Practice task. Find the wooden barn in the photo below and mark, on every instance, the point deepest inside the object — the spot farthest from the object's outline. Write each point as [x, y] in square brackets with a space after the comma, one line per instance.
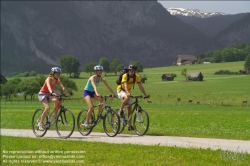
[167, 77]
[195, 76]
[186, 59]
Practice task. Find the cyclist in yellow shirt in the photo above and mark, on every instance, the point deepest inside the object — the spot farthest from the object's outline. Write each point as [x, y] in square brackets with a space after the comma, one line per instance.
[124, 90]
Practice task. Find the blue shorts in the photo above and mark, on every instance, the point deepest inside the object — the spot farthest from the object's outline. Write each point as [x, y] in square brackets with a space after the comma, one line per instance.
[88, 93]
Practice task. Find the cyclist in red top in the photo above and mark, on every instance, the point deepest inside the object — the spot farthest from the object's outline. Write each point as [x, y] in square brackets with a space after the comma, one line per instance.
[48, 92]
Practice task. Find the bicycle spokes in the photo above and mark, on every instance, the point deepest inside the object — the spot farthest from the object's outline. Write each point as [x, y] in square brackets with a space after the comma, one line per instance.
[141, 122]
[65, 126]
[111, 123]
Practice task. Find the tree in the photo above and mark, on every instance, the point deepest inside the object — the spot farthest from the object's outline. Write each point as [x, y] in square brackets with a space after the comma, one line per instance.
[89, 68]
[184, 73]
[247, 64]
[139, 66]
[32, 73]
[41, 80]
[70, 65]
[29, 87]
[7, 89]
[68, 84]
[116, 66]
[104, 62]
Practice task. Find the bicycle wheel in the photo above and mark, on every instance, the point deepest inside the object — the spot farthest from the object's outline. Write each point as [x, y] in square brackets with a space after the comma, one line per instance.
[111, 123]
[122, 123]
[37, 116]
[141, 122]
[80, 121]
[65, 123]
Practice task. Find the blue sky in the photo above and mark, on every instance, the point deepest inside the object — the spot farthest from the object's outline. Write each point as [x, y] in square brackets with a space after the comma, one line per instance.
[227, 7]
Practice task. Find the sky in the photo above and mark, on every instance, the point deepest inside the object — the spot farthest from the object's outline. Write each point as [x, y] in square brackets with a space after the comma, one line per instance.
[227, 7]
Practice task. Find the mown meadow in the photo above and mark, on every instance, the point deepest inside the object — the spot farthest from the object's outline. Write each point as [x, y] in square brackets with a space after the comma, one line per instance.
[216, 111]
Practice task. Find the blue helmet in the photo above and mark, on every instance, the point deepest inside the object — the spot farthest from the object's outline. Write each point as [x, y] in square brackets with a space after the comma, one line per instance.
[98, 67]
[56, 69]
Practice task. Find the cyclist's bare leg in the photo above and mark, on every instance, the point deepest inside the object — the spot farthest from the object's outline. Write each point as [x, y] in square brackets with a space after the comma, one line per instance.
[124, 102]
[100, 101]
[91, 107]
[56, 102]
[46, 109]
[45, 103]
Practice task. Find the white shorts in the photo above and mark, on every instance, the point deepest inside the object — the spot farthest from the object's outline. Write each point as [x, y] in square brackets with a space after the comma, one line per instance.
[42, 96]
[121, 94]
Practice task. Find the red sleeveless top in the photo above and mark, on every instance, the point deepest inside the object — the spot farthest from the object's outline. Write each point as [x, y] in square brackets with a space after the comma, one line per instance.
[45, 89]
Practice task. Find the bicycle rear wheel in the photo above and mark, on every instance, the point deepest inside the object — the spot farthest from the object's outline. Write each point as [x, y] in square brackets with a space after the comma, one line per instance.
[65, 123]
[111, 123]
[122, 123]
[141, 122]
[81, 120]
[37, 116]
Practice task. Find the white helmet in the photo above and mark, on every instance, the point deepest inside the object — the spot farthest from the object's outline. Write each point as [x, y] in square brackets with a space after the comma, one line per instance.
[56, 69]
[98, 67]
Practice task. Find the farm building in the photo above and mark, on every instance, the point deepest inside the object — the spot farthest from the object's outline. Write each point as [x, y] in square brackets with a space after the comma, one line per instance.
[195, 76]
[186, 59]
[167, 77]
[243, 72]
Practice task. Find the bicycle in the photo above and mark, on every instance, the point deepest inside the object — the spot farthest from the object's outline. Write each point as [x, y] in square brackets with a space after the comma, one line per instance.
[141, 118]
[111, 120]
[64, 120]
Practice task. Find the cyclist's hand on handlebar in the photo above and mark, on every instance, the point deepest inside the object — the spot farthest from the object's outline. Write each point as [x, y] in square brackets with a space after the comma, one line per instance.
[147, 96]
[68, 95]
[53, 94]
[115, 95]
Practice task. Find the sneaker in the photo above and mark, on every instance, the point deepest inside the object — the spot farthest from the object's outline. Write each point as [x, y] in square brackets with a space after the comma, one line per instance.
[40, 127]
[87, 125]
[131, 128]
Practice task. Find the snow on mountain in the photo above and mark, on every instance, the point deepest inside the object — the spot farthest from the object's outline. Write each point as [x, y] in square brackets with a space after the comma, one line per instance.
[192, 12]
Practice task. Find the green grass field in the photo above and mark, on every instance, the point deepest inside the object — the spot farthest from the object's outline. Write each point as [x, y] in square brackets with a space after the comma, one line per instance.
[219, 114]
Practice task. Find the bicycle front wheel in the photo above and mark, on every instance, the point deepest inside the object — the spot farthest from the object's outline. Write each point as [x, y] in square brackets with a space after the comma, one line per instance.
[65, 123]
[81, 120]
[37, 116]
[141, 122]
[111, 123]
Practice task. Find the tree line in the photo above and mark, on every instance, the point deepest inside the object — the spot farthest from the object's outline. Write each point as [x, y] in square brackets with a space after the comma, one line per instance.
[31, 86]
[233, 53]
[70, 65]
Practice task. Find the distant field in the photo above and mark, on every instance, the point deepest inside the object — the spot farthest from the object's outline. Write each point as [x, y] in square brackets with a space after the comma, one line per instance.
[215, 89]
[219, 114]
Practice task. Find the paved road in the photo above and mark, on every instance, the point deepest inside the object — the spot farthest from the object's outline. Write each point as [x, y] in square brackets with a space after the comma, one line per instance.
[186, 142]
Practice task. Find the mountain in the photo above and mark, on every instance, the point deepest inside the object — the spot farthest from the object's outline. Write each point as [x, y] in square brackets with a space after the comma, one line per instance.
[35, 34]
[192, 12]
[237, 32]
[208, 23]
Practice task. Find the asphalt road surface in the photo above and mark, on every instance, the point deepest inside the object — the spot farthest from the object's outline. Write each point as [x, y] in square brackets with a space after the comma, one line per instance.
[186, 142]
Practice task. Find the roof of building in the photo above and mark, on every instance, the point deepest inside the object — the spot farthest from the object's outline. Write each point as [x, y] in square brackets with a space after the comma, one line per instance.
[194, 74]
[187, 57]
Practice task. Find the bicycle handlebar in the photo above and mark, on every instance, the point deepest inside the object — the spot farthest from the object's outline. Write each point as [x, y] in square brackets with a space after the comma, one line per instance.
[107, 96]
